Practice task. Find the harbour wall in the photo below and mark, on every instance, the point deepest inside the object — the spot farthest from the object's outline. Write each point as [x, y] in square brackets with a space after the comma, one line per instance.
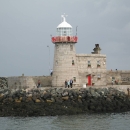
[121, 80]
[118, 76]
[19, 82]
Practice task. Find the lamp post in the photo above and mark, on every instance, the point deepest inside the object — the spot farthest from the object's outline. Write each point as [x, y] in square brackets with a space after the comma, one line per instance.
[49, 57]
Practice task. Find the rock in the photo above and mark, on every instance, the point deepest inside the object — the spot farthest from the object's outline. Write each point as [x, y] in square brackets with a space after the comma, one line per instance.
[17, 101]
[47, 95]
[97, 95]
[74, 93]
[59, 95]
[23, 99]
[4, 86]
[29, 95]
[1, 95]
[89, 95]
[83, 90]
[59, 90]
[20, 98]
[79, 100]
[54, 95]
[12, 91]
[105, 90]
[65, 98]
[93, 93]
[65, 94]
[98, 109]
[92, 107]
[101, 93]
[59, 100]
[53, 91]
[10, 99]
[34, 97]
[28, 99]
[108, 99]
[49, 101]
[37, 101]
[71, 97]
[70, 93]
[98, 90]
[53, 99]
[83, 95]
[1, 90]
[79, 97]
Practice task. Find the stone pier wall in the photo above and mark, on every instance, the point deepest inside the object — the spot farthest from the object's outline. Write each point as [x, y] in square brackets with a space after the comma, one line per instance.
[122, 77]
[19, 82]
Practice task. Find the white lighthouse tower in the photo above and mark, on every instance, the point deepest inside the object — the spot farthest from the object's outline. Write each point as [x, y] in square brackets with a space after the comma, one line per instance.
[64, 66]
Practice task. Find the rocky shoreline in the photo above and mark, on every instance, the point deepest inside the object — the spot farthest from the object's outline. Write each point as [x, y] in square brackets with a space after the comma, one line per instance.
[61, 101]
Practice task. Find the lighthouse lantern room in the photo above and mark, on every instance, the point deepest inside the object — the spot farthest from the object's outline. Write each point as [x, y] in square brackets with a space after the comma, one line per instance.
[64, 32]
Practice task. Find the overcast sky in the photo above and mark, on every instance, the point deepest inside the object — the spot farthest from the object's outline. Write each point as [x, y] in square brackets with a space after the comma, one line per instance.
[26, 26]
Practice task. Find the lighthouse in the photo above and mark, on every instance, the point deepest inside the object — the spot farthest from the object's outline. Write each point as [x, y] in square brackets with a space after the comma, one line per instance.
[64, 65]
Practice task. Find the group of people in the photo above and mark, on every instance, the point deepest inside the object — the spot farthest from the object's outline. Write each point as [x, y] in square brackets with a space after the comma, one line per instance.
[68, 83]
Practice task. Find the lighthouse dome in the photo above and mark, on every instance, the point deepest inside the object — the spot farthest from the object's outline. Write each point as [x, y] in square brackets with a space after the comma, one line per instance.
[64, 28]
[64, 24]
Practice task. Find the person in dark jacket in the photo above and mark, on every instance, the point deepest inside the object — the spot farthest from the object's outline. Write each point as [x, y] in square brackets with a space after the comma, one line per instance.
[66, 83]
[71, 83]
[38, 84]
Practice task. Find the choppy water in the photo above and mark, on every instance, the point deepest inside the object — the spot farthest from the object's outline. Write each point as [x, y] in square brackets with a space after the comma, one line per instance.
[78, 122]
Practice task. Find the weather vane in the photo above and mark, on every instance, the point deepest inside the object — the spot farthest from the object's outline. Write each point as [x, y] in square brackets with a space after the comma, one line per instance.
[64, 16]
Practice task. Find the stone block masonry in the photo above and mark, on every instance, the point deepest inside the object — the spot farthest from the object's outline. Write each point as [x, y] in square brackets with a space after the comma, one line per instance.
[19, 82]
[119, 77]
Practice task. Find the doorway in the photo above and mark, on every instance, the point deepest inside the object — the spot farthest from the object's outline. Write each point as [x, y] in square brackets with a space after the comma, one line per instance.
[89, 80]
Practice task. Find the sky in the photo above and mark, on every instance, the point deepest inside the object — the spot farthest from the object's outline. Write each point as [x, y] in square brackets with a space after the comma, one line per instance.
[26, 27]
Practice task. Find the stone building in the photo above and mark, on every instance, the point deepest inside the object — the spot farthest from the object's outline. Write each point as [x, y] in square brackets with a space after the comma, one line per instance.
[84, 69]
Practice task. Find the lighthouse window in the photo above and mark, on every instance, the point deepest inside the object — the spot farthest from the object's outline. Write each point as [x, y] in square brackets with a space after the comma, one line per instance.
[89, 64]
[71, 47]
[64, 33]
[56, 62]
[98, 76]
[98, 64]
[74, 78]
[72, 62]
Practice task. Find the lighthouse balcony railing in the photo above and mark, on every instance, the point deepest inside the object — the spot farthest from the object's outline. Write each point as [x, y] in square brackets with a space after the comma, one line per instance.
[64, 39]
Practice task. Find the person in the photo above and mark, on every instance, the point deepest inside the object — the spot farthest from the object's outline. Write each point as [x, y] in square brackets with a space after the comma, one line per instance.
[71, 83]
[66, 83]
[112, 82]
[39, 84]
[51, 72]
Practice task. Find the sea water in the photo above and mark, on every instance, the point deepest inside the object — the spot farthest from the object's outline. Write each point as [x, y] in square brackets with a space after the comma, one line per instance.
[113, 121]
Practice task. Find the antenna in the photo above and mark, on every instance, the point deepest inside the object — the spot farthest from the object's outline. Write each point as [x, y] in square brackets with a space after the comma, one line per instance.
[76, 30]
